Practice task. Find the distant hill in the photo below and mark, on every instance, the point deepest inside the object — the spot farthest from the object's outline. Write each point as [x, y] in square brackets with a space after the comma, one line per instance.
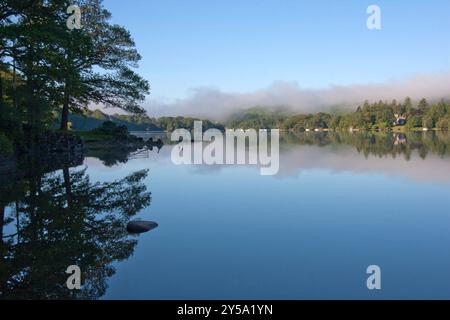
[91, 119]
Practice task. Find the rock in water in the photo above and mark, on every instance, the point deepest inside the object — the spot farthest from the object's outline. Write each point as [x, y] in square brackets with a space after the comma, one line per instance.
[140, 226]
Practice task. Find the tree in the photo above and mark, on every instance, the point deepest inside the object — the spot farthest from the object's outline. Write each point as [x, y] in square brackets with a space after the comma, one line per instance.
[67, 69]
[423, 105]
[335, 121]
[443, 123]
[428, 122]
[407, 105]
[103, 64]
[414, 122]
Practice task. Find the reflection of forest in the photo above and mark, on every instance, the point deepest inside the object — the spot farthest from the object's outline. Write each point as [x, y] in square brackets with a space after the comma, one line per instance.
[50, 220]
[113, 155]
[377, 144]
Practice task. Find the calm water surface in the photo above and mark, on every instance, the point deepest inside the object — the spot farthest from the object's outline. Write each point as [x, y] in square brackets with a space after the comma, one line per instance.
[338, 205]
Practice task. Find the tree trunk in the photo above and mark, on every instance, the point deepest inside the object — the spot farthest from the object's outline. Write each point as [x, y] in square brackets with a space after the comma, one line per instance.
[1, 88]
[65, 111]
[14, 84]
[31, 108]
[2, 221]
[32, 95]
[68, 186]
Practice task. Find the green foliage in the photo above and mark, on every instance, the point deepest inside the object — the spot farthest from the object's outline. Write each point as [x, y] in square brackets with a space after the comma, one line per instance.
[414, 122]
[428, 122]
[89, 120]
[47, 69]
[380, 115]
[443, 123]
[257, 118]
[407, 105]
[423, 105]
[110, 129]
[6, 146]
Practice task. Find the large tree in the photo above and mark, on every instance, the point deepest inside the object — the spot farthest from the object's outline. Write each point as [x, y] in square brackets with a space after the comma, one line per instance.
[66, 70]
[30, 31]
[99, 61]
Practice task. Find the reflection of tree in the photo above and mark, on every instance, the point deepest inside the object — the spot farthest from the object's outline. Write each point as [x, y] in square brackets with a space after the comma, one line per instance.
[111, 155]
[64, 219]
[378, 144]
[2, 220]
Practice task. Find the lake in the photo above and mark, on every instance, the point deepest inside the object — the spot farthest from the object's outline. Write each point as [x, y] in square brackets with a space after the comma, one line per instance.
[339, 203]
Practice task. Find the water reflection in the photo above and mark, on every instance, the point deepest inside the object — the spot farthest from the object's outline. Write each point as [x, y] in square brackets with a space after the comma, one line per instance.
[111, 156]
[378, 144]
[54, 214]
[420, 156]
[49, 221]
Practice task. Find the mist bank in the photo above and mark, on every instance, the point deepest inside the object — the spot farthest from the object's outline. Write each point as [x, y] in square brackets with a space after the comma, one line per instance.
[217, 105]
[404, 115]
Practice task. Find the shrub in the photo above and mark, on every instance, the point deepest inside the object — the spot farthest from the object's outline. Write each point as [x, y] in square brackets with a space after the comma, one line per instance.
[428, 122]
[6, 146]
[443, 124]
[414, 122]
[109, 128]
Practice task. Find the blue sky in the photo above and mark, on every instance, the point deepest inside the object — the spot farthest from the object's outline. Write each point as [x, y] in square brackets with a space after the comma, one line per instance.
[243, 46]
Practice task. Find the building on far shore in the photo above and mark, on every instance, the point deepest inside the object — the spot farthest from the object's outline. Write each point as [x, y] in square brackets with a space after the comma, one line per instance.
[400, 120]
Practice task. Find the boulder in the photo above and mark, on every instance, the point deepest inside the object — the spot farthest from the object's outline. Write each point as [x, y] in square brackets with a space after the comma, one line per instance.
[141, 226]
